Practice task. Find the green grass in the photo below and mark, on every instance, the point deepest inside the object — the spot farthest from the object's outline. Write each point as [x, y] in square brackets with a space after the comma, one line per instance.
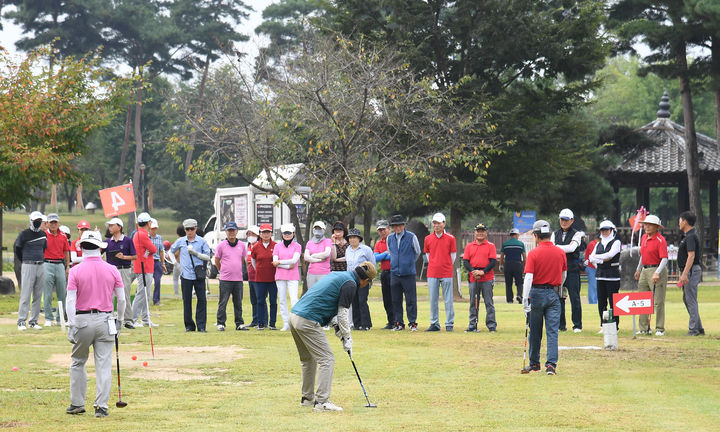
[420, 381]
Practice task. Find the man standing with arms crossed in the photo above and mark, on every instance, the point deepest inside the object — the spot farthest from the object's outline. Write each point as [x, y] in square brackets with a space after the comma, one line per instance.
[689, 254]
[404, 251]
[383, 257]
[568, 239]
[441, 252]
[512, 257]
[91, 286]
[652, 273]
[479, 259]
[143, 267]
[545, 272]
[30, 248]
[57, 266]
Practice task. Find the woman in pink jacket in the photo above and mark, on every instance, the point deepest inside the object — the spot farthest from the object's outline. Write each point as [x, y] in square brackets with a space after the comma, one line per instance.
[287, 274]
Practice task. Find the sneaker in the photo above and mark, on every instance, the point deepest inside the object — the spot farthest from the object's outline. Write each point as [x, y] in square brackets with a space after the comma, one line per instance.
[493, 330]
[35, 326]
[285, 328]
[188, 329]
[242, 327]
[702, 331]
[306, 402]
[471, 329]
[101, 412]
[449, 328]
[398, 327]
[433, 328]
[150, 324]
[531, 368]
[326, 406]
[690, 333]
[138, 324]
[660, 333]
[388, 326]
[21, 327]
[642, 332]
[563, 329]
[577, 330]
[75, 409]
[550, 369]
[221, 327]
[413, 327]
[49, 323]
[252, 325]
[272, 327]
[518, 299]
[129, 325]
[261, 327]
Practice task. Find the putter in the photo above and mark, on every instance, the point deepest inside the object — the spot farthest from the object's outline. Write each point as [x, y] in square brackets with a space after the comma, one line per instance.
[369, 404]
[119, 403]
[147, 305]
[527, 327]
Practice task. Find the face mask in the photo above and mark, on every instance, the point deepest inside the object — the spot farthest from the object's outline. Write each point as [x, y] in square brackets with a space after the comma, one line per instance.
[252, 239]
[36, 224]
[318, 232]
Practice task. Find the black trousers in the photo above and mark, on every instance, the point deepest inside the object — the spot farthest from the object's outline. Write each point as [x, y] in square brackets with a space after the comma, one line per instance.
[227, 289]
[513, 273]
[572, 284]
[387, 296]
[605, 291]
[406, 285]
[253, 303]
[360, 309]
[187, 286]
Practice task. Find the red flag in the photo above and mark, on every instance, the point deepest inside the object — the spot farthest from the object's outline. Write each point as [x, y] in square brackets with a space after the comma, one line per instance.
[118, 200]
[636, 221]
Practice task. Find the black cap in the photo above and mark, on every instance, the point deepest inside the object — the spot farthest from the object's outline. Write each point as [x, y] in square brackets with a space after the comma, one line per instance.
[480, 227]
[397, 220]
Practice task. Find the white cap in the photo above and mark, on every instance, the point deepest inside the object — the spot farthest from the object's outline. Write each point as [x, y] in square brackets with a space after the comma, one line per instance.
[115, 221]
[438, 217]
[514, 231]
[320, 224]
[287, 227]
[92, 237]
[253, 229]
[566, 214]
[143, 217]
[37, 215]
[652, 219]
[154, 223]
[607, 224]
[64, 229]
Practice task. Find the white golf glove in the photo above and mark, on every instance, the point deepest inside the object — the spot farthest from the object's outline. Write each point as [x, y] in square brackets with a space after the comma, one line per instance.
[191, 250]
[526, 306]
[347, 344]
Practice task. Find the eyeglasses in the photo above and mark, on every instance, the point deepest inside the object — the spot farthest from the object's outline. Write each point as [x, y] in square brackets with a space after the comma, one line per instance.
[190, 229]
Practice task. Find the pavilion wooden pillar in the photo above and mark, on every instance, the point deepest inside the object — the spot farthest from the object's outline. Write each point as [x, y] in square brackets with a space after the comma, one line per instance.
[642, 197]
[616, 203]
[683, 203]
[713, 225]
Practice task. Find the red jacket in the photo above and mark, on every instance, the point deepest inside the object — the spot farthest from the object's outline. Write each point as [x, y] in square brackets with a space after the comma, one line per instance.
[145, 249]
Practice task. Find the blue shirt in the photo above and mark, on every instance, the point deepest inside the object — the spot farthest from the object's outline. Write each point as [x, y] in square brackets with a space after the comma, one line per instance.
[513, 250]
[355, 257]
[186, 263]
[158, 242]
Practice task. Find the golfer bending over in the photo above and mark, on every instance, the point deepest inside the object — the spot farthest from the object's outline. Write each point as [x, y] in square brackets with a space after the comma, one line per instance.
[90, 315]
[328, 298]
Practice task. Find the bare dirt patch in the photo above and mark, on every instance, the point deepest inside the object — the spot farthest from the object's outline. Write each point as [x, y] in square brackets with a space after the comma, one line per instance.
[169, 364]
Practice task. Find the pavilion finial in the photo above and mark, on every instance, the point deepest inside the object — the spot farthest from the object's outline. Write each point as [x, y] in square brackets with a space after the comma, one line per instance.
[664, 111]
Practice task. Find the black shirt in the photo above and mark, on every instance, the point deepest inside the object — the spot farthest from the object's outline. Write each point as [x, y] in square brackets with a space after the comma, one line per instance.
[689, 243]
[30, 245]
[347, 292]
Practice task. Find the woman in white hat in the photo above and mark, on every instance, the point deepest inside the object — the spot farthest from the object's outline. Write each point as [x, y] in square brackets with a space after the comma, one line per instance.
[606, 256]
[287, 273]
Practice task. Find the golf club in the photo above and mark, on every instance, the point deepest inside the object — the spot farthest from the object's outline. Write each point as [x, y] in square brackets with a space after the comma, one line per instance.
[119, 403]
[147, 305]
[527, 327]
[369, 404]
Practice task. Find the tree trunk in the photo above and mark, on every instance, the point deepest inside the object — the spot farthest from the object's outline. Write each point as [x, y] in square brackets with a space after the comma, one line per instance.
[125, 145]
[456, 218]
[715, 79]
[691, 149]
[367, 221]
[198, 114]
[79, 199]
[138, 149]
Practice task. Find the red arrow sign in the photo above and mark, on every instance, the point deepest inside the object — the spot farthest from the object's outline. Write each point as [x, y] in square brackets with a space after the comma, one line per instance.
[634, 303]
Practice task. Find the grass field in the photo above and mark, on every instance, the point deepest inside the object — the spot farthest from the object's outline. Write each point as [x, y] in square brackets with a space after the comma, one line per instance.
[420, 381]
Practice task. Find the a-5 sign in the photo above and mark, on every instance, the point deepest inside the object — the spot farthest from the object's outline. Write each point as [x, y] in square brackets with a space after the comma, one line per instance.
[634, 303]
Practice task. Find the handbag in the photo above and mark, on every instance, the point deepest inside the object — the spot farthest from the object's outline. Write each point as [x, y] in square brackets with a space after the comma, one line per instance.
[200, 270]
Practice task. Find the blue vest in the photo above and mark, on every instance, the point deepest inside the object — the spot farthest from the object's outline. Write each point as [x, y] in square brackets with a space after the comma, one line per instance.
[402, 257]
[320, 303]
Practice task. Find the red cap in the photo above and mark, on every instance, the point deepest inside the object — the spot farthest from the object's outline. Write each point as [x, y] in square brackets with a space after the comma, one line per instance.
[166, 245]
[265, 227]
[83, 224]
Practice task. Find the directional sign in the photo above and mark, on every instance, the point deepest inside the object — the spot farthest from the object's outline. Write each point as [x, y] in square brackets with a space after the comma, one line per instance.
[117, 200]
[635, 303]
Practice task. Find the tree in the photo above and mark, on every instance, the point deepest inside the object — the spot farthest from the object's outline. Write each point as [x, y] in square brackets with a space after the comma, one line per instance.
[666, 28]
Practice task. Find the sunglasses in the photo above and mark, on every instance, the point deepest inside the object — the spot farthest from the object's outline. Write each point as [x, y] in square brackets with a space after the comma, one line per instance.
[190, 229]
[287, 232]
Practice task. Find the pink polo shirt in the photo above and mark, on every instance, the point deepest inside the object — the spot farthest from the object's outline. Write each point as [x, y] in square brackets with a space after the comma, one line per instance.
[231, 260]
[323, 267]
[94, 280]
[284, 253]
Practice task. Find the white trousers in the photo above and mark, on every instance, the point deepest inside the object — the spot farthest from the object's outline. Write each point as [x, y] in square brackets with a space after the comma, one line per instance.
[284, 288]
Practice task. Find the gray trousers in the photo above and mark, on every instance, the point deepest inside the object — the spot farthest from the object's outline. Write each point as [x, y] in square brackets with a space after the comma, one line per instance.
[54, 283]
[139, 305]
[127, 276]
[690, 292]
[33, 277]
[312, 279]
[91, 329]
[316, 356]
[486, 289]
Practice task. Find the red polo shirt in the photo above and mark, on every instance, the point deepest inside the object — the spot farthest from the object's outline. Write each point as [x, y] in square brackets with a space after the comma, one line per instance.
[546, 263]
[380, 247]
[440, 263]
[57, 245]
[248, 262]
[75, 246]
[263, 256]
[145, 249]
[479, 255]
[653, 249]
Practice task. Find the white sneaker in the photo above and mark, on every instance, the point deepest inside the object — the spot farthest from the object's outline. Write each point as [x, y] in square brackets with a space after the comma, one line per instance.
[326, 406]
[306, 402]
[285, 328]
[659, 333]
[151, 324]
[35, 326]
[577, 330]
[21, 327]
[138, 324]
[600, 331]
[221, 327]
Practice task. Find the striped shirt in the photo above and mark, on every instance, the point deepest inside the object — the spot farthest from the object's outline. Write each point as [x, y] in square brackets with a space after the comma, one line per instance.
[158, 242]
